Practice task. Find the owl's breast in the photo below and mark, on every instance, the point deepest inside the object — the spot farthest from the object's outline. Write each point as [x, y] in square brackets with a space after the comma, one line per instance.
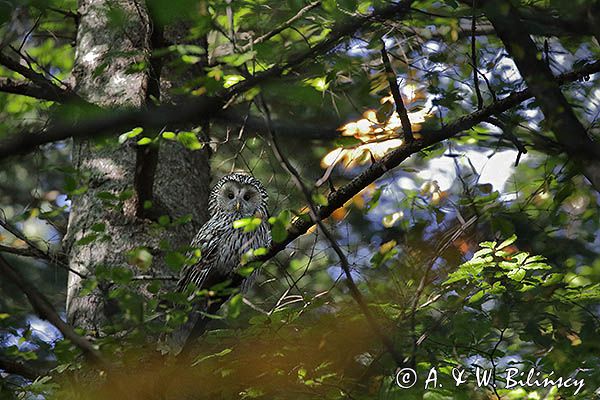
[234, 243]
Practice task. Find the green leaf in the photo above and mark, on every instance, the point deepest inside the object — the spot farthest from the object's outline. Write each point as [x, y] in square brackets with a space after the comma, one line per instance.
[246, 270]
[553, 279]
[144, 141]
[279, 225]
[188, 49]
[372, 203]
[125, 195]
[140, 257]
[169, 135]
[509, 265]
[477, 296]
[468, 270]
[386, 251]
[490, 245]
[230, 80]
[120, 275]
[87, 286]
[87, 239]
[536, 265]
[107, 196]
[189, 59]
[319, 83]
[164, 220]
[482, 252]
[189, 140]
[184, 219]
[278, 232]
[517, 274]
[204, 358]
[534, 259]
[131, 134]
[235, 306]
[249, 224]
[99, 227]
[320, 199]
[507, 242]
[175, 260]
[235, 60]
[261, 251]
[521, 257]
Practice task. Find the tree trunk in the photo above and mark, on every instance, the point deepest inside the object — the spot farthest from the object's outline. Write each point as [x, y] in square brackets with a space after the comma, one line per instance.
[103, 75]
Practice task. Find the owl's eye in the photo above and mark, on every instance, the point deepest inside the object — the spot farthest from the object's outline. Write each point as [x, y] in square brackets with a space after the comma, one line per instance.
[246, 197]
[230, 195]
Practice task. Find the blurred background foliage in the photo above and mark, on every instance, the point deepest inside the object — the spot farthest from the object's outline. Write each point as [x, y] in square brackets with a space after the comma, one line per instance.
[298, 333]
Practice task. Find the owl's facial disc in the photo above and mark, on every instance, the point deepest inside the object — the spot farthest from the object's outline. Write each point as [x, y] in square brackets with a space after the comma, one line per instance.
[240, 199]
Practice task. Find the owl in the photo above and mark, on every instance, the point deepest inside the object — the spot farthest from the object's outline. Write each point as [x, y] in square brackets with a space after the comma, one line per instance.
[234, 197]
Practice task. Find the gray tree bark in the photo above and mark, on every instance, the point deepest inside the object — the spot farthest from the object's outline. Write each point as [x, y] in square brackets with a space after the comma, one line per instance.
[102, 74]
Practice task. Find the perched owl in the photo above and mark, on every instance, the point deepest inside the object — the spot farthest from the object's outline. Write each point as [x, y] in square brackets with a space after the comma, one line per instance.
[235, 196]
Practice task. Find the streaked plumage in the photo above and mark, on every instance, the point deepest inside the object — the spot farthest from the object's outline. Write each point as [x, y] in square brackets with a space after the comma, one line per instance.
[234, 196]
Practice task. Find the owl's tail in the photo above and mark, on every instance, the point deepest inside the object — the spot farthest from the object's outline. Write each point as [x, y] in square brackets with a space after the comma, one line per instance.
[181, 339]
[176, 341]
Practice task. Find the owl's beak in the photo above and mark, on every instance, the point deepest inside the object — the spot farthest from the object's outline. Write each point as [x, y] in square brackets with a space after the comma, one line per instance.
[237, 206]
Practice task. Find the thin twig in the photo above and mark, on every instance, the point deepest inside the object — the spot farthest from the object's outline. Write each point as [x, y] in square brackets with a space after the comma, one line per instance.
[27, 88]
[33, 250]
[45, 310]
[487, 84]
[558, 113]
[29, 32]
[198, 109]
[50, 90]
[448, 239]
[26, 370]
[393, 158]
[24, 252]
[500, 339]
[281, 27]
[155, 278]
[474, 59]
[506, 132]
[400, 108]
[354, 291]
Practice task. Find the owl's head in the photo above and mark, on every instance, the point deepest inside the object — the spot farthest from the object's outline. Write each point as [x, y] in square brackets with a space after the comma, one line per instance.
[239, 194]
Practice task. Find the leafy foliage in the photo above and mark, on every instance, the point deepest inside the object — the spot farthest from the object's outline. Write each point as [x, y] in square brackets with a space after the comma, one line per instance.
[464, 260]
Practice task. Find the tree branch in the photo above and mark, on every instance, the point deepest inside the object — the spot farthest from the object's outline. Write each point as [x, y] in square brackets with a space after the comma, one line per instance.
[44, 310]
[474, 59]
[338, 198]
[26, 252]
[12, 366]
[400, 108]
[48, 89]
[338, 32]
[281, 27]
[313, 213]
[294, 129]
[559, 115]
[194, 110]
[29, 89]
[146, 158]
[32, 250]
[146, 161]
